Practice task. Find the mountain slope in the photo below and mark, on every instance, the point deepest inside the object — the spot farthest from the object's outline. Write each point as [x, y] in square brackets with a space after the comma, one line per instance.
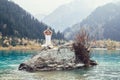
[101, 23]
[68, 14]
[39, 16]
[16, 22]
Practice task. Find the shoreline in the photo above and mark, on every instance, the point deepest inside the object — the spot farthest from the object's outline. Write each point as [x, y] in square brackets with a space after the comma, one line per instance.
[38, 48]
[104, 49]
[25, 48]
[99, 48]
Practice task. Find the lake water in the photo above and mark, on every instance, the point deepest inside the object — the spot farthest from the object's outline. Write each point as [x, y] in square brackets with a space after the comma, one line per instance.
[108, 68]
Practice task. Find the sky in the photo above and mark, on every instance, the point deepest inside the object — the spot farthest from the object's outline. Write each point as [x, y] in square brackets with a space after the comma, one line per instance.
[47, 6]
[40, 6]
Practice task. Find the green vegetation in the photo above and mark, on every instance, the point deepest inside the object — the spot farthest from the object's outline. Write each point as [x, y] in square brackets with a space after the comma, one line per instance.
[16, 22]
[9, 43]
[102, 23]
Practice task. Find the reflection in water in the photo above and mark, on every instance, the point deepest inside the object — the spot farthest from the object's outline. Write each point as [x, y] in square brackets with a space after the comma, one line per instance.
[108, 68]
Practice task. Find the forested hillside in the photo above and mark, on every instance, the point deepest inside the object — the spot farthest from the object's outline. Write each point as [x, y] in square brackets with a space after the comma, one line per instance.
[16, 22]
[102, 23]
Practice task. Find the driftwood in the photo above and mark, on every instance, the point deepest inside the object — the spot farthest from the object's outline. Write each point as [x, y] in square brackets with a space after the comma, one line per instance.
[81, 48]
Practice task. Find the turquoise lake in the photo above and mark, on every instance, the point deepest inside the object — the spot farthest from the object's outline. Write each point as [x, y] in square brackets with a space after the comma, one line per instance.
[108, 68]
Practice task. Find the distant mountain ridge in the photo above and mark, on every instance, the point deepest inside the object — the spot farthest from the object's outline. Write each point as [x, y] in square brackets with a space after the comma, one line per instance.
[39, 16]
[16, 22]
[102, 23]
[68, 14]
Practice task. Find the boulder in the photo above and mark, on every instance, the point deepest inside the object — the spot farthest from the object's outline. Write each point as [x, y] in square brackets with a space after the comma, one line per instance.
[25, 67]
[50, 60]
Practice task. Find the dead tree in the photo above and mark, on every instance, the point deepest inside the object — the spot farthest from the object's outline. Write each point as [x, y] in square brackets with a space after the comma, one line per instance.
[81, 48]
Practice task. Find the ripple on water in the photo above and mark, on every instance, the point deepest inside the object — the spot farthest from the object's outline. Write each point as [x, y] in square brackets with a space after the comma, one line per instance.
[108, 68]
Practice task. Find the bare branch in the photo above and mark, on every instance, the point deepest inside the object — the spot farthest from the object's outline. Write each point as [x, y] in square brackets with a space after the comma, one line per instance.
[81, 47]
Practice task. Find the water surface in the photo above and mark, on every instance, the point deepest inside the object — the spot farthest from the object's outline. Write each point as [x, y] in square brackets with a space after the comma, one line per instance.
[108, 68]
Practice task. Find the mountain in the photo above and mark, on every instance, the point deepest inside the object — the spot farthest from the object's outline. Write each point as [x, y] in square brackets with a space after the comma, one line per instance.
[16, 22]
[39, 16]
[102, 23]
[69, 14]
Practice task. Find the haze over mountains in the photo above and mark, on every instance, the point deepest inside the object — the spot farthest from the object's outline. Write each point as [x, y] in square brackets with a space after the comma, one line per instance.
[16, 22]
[102, 23]
[40, 16]
[68, 14]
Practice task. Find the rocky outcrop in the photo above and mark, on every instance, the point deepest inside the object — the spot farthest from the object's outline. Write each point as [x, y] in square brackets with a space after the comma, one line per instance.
[50, 60]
